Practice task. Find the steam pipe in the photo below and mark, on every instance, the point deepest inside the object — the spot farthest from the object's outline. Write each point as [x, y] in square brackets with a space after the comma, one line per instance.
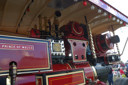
[56, 22]
[13, 71]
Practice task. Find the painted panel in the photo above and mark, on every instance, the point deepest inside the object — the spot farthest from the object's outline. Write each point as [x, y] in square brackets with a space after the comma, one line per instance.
[29, 53]
[68, 78]
[78, 48]
[88, 70]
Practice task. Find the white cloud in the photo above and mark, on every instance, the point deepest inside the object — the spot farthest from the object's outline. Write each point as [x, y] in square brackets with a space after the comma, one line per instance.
[123, 34]
[121, 5]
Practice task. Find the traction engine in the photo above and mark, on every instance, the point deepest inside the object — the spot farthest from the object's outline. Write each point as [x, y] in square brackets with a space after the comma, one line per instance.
[63, 59]
[66, 60]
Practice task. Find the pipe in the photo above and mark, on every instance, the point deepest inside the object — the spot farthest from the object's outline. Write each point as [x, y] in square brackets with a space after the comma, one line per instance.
[13, 72]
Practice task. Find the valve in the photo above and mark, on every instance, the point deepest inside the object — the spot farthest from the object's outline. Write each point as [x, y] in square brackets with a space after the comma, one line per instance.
[13, 72]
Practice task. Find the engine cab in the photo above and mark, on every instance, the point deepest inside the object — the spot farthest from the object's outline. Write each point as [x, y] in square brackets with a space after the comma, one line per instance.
[57, 42]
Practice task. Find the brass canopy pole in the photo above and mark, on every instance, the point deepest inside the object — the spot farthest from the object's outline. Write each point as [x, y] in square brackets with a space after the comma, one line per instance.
[90, 37]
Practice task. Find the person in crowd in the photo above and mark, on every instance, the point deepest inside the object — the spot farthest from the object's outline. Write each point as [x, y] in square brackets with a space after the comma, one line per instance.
[126, 70]
[110, 77]
[122, 74]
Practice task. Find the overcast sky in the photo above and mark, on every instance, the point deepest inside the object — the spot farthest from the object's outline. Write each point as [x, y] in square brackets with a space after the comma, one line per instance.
[121, 5]
[123, 34]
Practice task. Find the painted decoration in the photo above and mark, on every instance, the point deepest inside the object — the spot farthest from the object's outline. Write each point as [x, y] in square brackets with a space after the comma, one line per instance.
[29, 54]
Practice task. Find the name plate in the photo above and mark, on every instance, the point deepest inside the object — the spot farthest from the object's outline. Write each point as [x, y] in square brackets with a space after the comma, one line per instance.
[31, 55]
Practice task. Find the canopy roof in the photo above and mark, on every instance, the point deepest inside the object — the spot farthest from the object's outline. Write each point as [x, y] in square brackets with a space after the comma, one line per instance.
[21, 15]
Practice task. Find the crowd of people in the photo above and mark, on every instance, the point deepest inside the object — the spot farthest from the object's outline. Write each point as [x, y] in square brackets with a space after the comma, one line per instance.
[121, 73]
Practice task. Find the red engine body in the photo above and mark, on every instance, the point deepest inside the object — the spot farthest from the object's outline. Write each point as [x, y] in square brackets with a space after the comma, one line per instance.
[102, 44]
[62, 74]
[36, 68]
[74, 39]
[73, 30]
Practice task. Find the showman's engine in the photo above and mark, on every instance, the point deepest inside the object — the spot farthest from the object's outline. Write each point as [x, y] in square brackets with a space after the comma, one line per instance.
[59, 59]
[73, 51]
[69, 55]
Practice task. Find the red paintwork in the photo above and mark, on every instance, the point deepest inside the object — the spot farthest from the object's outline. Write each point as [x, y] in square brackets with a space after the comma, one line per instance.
[74, 40]
[32, 62]
[86, 66]
[78, 49]
[61, 67]
[72, 79]
[37, 57]
[59, 78]
[102, 40]
[73, 30]
[26, 80]
[87, 69]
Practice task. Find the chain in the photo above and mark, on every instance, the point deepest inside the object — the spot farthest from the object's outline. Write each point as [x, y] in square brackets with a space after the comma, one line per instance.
[91, 41]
